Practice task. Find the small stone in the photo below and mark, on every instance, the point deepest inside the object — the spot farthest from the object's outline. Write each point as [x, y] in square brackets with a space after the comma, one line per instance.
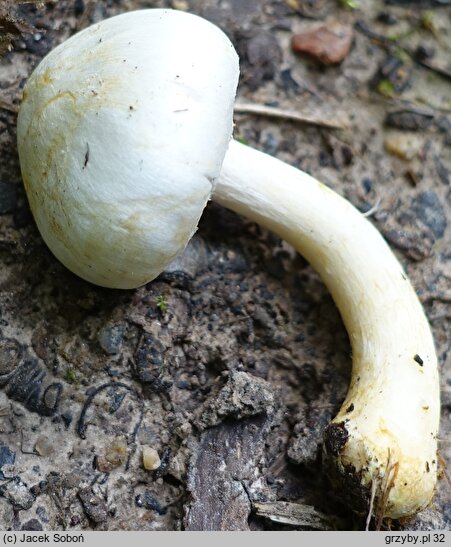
[148, 501]
[41, 511]
[177, 465]
[18, 494]
[51, 398]
[8, 471]
[151, 459]
[32, 525]
[75, 520]
[114, 456]
[148, 365]
[44, 446]
[184, 430]
[416, 245]
[443, 172]
[193, 260]
[403, 146]
[94, 506]
[429, 210]
[410, 120]
[7, 457]
[367, 184]
[424, 52]
[329, 44]
[181, 5]
[67, 418]
[110, 338]
[387, 18]
[10, 354]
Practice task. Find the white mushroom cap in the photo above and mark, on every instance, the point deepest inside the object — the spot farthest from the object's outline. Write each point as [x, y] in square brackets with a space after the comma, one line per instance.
[120, 145]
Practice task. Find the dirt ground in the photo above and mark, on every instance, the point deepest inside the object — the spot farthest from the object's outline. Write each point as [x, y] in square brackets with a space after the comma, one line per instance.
[232, 362]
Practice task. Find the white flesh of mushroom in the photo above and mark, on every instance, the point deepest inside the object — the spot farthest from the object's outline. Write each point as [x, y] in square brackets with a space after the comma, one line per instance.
[118, 164]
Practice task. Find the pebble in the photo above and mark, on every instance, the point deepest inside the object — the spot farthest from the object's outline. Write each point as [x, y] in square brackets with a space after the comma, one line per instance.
[94, 507]
[51, 398]
[18, 494]
[387, 18]
[181, 5]
[414, 244]
[184, 430]
[147, 501]
[429, 210]
[193, 260]
[424, 52]
[410, 120]
[151, 459]
[110, 338]
[403, 146]
[115, 455]
[7, 457]
[32, 525]
[44, 446]
[75, 520]
[367, 184]
[42, 513]
[329, 44]
[67, 418]
[443, 173]
[10, 354]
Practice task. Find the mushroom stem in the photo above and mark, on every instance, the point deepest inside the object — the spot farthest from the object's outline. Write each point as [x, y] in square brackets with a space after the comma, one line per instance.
[387, 426]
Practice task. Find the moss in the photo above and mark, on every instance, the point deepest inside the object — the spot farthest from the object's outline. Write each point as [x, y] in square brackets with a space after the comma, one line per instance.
[162, 303]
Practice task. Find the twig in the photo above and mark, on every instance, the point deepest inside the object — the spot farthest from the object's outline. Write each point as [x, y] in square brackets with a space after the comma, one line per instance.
[290, 115]
[374, 486]
[82, 425]
[388, 481]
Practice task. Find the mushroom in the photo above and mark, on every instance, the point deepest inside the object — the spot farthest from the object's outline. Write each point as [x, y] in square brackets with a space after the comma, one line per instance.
[121, 137]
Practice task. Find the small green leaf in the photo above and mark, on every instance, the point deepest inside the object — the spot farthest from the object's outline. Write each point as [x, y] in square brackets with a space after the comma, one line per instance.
[242, 140]
[70, 376]
[385, 87]
[162, 303]
[349, 4]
